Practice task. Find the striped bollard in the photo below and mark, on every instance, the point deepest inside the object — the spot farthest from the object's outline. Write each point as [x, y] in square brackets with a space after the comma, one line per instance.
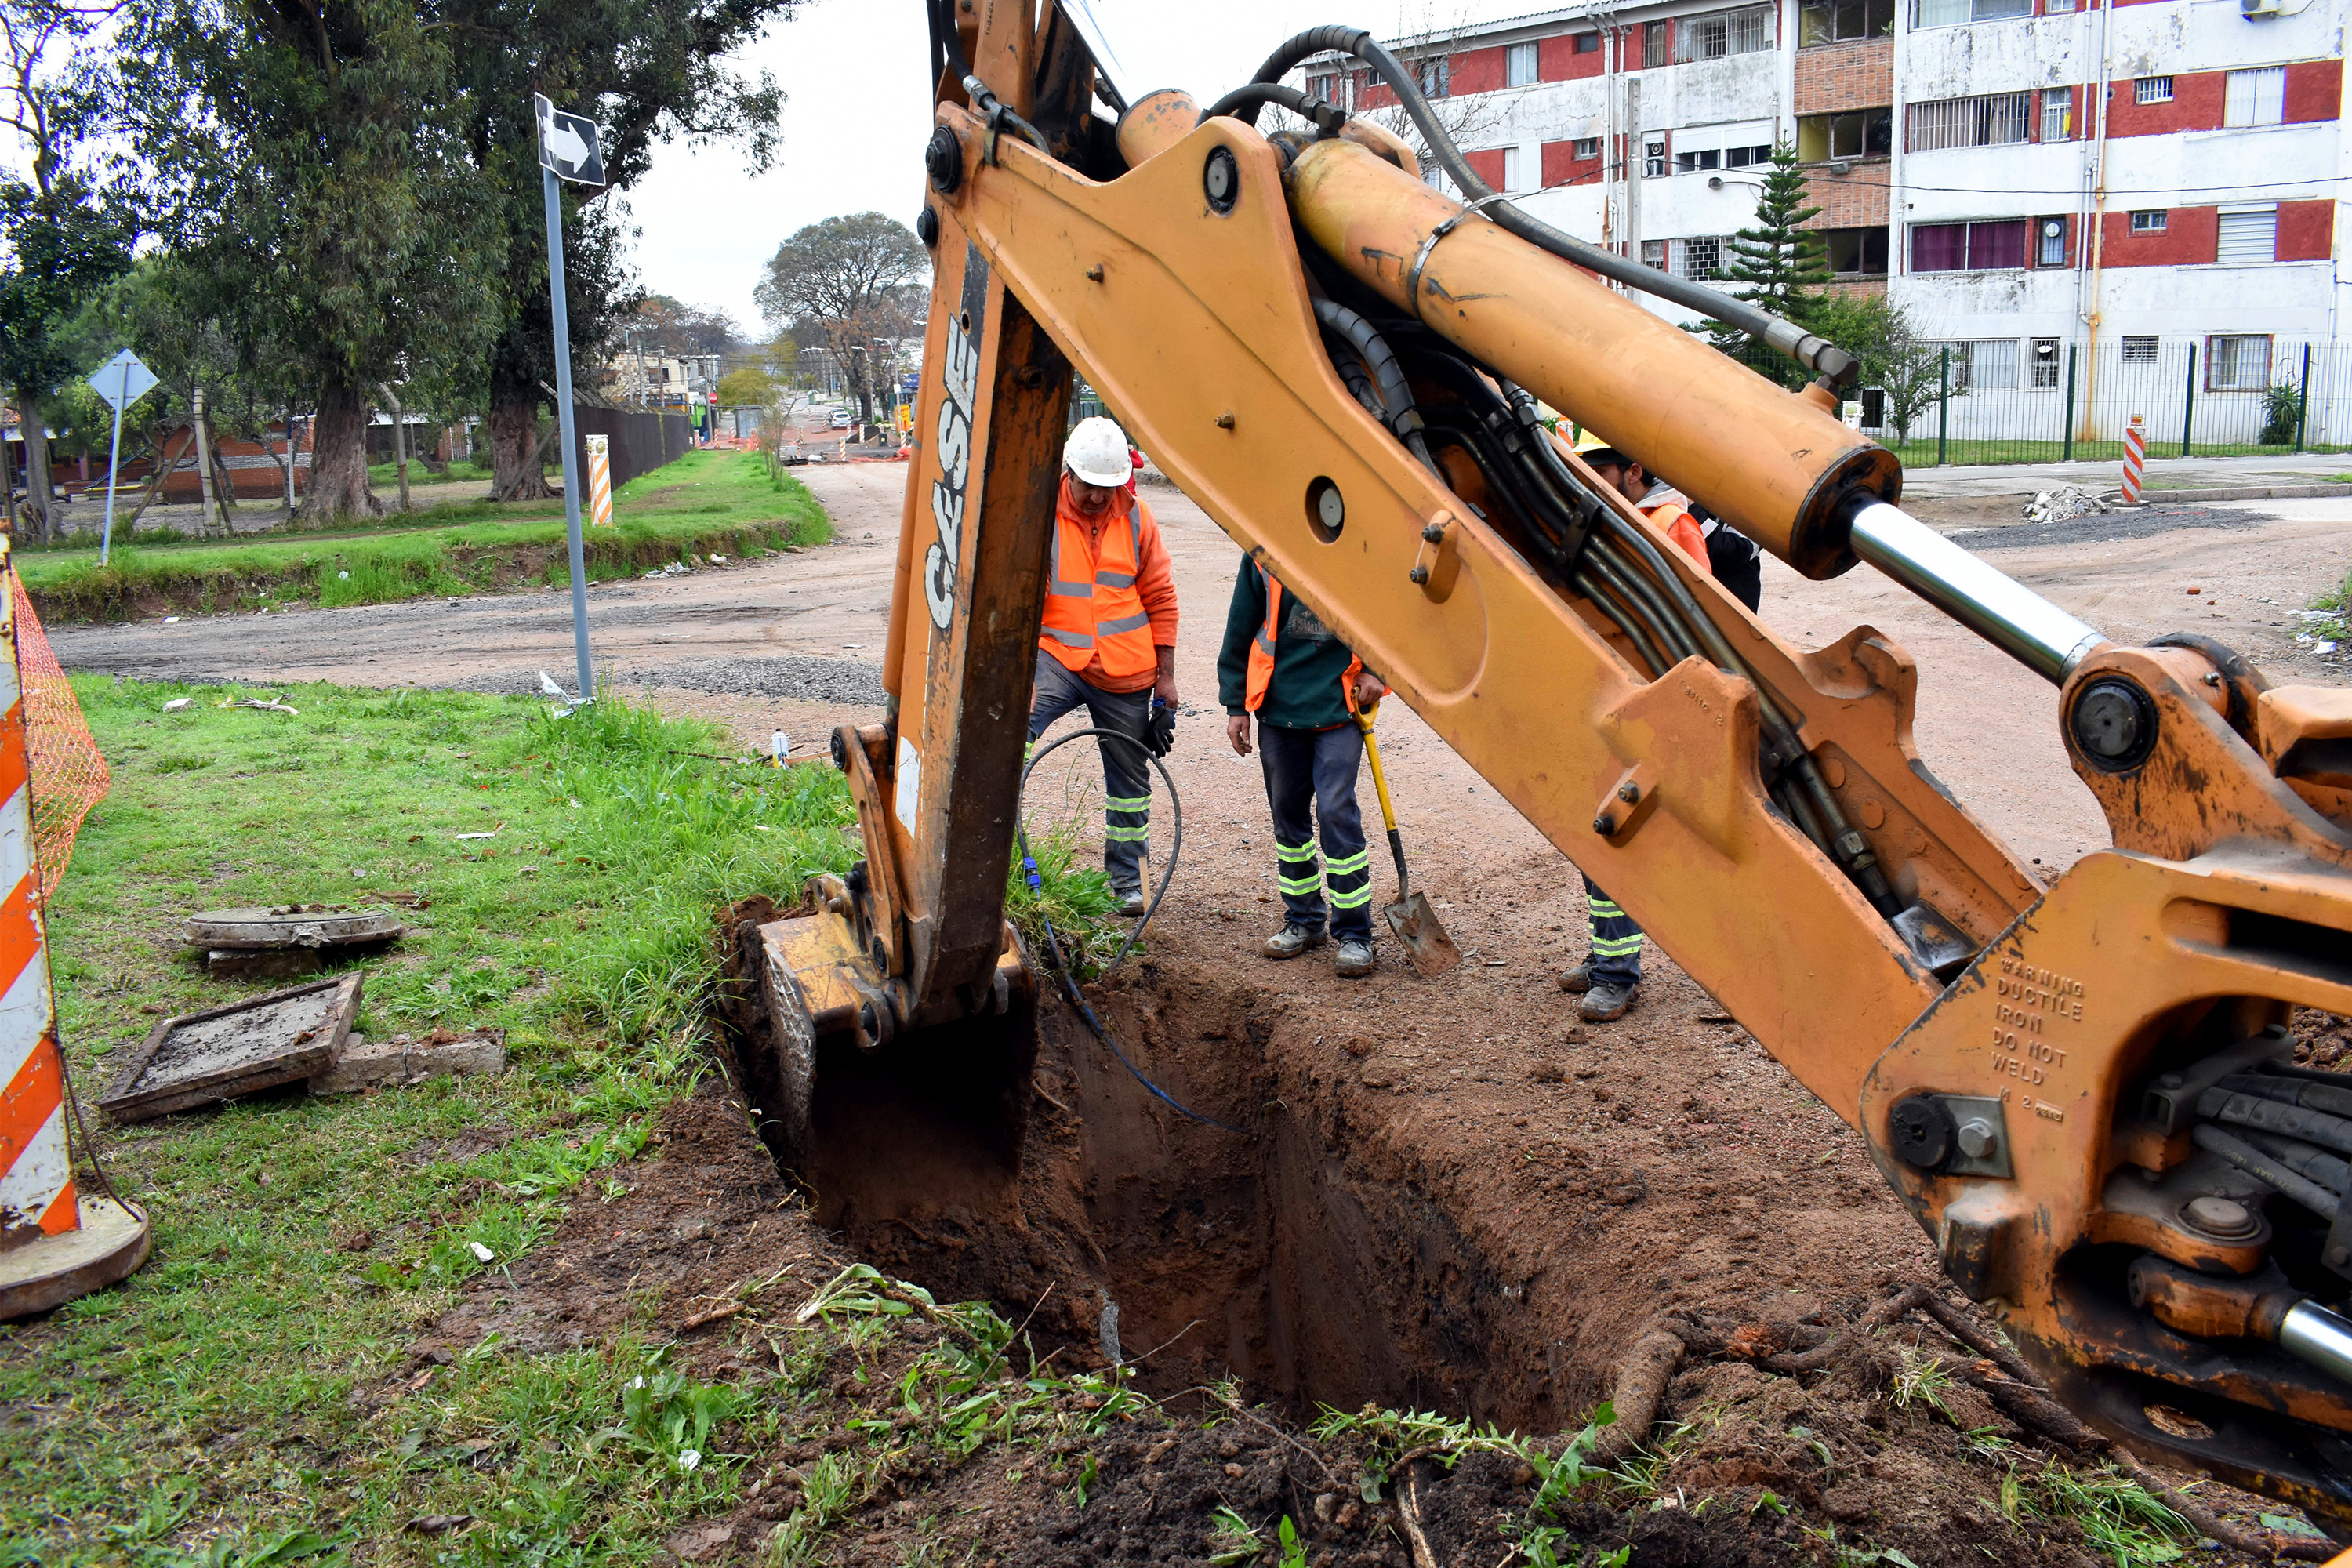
[2134, 458]
[600, 480]
[77, 1243]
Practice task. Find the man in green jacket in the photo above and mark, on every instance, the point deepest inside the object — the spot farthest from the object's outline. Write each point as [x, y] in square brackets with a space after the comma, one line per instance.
[1283, 665]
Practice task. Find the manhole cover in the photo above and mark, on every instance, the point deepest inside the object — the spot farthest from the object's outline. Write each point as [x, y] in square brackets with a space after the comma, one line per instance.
[291, 925]
[226, 1051]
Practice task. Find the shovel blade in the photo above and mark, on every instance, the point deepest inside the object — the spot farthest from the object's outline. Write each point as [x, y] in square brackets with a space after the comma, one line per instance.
[1417, 931]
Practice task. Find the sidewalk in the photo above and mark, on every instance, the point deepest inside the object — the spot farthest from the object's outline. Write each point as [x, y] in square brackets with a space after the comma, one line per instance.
[2163, 474]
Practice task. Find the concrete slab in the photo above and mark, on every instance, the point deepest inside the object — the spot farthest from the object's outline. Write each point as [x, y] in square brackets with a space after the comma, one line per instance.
[200, 1057]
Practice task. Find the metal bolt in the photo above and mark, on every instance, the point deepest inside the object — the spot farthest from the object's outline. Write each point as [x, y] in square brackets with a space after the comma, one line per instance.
[1419, 573]
[2114, 722]
[1433, 532]
[1629, 792]
[1978, 1139]
[926, 227]
[2337, 1257]
[2169, 1080]
[1094, 273]
[1605, 825]
[2220, 1217]
[2213, 678]
[1220, 180]
[1225, 420]
[943, 160]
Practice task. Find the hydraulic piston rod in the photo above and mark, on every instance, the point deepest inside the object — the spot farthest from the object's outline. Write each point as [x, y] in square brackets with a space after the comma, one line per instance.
[2005, 614]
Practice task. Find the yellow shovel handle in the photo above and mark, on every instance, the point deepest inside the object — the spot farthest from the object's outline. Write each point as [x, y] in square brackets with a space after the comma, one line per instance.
[1380, 780]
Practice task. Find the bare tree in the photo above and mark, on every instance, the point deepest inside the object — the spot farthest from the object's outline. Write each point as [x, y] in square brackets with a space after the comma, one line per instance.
[1429, 45]
[854, 278]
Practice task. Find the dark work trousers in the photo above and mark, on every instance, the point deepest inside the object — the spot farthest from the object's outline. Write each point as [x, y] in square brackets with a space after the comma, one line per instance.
[1127, 770]
[1316, 768]
[1616, 940]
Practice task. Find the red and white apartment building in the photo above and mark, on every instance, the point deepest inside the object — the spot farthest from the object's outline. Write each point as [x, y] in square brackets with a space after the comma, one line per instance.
[2037, 181]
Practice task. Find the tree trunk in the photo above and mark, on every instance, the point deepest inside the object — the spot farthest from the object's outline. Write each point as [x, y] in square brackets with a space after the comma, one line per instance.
[39, 518]
[517, 472]
[339, 469]
[204, 463]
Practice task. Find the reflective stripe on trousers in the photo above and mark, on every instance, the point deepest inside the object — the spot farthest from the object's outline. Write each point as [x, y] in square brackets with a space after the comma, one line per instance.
[1616, 957]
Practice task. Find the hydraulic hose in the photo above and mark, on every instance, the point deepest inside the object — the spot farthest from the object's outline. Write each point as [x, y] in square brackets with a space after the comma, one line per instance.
[2304, 1159]
[1253, 96]
[1814, 353]
[2264, 1169]
[2274, 1116]
[1396, 393]
[2335, 1100]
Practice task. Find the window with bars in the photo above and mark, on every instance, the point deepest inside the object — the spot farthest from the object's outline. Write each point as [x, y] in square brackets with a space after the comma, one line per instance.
[1984, 364]
[1694, 162]
[1699, 259]
[1854, 133]
[1656, 40]
[1993, 121]
[2248, 234]
[2139, 350]
[1844, 21]
[1995, 246]
[2057, 114]
[2237, 364]
[1653, 254]
[2149, 222]
[1519, 66]
[1726, 33]
[2255, 97]
[1953, 13]
[2152, 89]
[2043, 362]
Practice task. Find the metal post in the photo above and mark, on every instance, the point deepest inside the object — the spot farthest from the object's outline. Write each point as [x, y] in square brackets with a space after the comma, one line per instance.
[1943, 401]
[113, 460]
[2066, 442]
[563, 419]
[2189, 401]
[2303, 399]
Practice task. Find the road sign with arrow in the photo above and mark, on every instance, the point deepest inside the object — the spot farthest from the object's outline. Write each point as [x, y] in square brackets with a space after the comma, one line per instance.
[568, 144]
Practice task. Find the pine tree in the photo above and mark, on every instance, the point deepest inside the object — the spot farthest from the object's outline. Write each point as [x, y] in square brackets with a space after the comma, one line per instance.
[1777, 265]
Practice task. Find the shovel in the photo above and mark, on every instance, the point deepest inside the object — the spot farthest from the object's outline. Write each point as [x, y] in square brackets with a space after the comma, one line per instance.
[1409, 918]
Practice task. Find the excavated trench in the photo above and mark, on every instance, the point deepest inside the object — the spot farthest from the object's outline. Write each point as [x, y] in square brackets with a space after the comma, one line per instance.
[1328, 1253]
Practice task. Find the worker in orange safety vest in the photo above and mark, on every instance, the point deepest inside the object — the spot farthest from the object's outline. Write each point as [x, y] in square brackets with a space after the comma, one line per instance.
[1109, 640]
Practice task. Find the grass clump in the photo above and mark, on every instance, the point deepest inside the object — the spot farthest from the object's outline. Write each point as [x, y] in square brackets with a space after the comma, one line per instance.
[705, 502]
[1077, 900]
[203, 1411]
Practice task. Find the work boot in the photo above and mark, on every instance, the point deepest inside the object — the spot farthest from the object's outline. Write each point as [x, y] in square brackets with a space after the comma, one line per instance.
[1578, 981]
[1133, 904]
[1294, 939]
[1608, 1000]
[1355, 960]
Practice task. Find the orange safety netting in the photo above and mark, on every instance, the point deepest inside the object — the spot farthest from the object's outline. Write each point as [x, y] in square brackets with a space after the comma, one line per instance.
[70, 775]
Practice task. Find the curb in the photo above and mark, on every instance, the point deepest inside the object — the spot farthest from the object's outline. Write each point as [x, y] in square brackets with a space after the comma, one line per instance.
[2244, 492]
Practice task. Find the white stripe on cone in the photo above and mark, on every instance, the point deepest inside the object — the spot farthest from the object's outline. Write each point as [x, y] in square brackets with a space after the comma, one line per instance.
[40, 1173]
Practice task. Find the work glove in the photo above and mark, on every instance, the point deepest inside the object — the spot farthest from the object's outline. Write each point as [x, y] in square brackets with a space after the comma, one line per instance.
[1160, 730]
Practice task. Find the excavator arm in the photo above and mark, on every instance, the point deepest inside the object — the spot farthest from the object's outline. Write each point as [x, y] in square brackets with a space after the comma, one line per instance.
[2085, 1095]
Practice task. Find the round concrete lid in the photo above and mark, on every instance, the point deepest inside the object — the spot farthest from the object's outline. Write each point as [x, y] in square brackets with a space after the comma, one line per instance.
[291, 925]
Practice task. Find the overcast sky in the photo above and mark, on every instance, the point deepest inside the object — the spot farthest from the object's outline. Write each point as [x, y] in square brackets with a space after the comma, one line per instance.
[860, 112]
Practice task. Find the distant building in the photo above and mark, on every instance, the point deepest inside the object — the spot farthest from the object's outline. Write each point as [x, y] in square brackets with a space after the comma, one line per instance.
[2028, 179]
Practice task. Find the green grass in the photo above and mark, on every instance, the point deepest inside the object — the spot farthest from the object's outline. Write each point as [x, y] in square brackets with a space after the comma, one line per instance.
[1919, 452]
[706, 502]
[212, 1393]
[387, 475]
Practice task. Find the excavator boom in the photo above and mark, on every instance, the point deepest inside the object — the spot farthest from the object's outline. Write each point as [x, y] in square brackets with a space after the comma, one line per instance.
[1343, 366]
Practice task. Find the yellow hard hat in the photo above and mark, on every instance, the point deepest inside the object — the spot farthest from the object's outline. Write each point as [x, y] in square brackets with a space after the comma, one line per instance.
[1591, 444]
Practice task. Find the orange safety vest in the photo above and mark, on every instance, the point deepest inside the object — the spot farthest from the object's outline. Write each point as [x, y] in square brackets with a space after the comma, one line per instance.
[1261, 655]
[1676, 523]
[1091, 604]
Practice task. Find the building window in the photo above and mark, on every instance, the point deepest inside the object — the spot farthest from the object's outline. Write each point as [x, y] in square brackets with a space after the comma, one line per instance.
[2045, 363]
[1519, 66]
[1856, 133]
[1746, 157]
[1432, 74]
[1587, 44]
[2050, 246]
[2148, 223]
[2256, 98]
[2139, 350]
[2057, 114]
[1655, 38]
[1725, 33]
[1994, 121]
[1326, 88]
[1585, 147]
[2153, 89]
[1699, 260]
[1983, 364]
[1951, 13]
[1856, 252]
[1693, 163]
[2248, 234]
[1654, 159]
[2057, 7]
[1653, 254]
[2237, 364]
[1511, 170]
[1969, 246]
[1844, 21]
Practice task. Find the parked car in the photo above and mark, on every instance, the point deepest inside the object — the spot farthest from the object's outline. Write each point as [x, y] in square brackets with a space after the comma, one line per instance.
[841, 420]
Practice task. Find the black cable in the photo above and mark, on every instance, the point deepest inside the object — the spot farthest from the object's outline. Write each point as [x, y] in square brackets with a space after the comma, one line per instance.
[1327, 117]
[1054, 941]
[2263, 1169]
[2304, 1159]
[1815, 353]
[2274, 1116]
[2335, 1098]
[1396, 394]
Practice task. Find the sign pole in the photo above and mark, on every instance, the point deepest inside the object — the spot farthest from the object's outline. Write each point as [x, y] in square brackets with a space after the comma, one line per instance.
[587, 688]
[113, 460]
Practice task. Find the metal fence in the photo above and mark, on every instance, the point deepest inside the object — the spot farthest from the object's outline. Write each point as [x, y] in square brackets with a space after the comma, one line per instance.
[639, 440]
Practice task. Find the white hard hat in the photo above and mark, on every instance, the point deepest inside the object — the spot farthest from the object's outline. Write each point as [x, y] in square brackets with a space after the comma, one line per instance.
[1098, 453]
